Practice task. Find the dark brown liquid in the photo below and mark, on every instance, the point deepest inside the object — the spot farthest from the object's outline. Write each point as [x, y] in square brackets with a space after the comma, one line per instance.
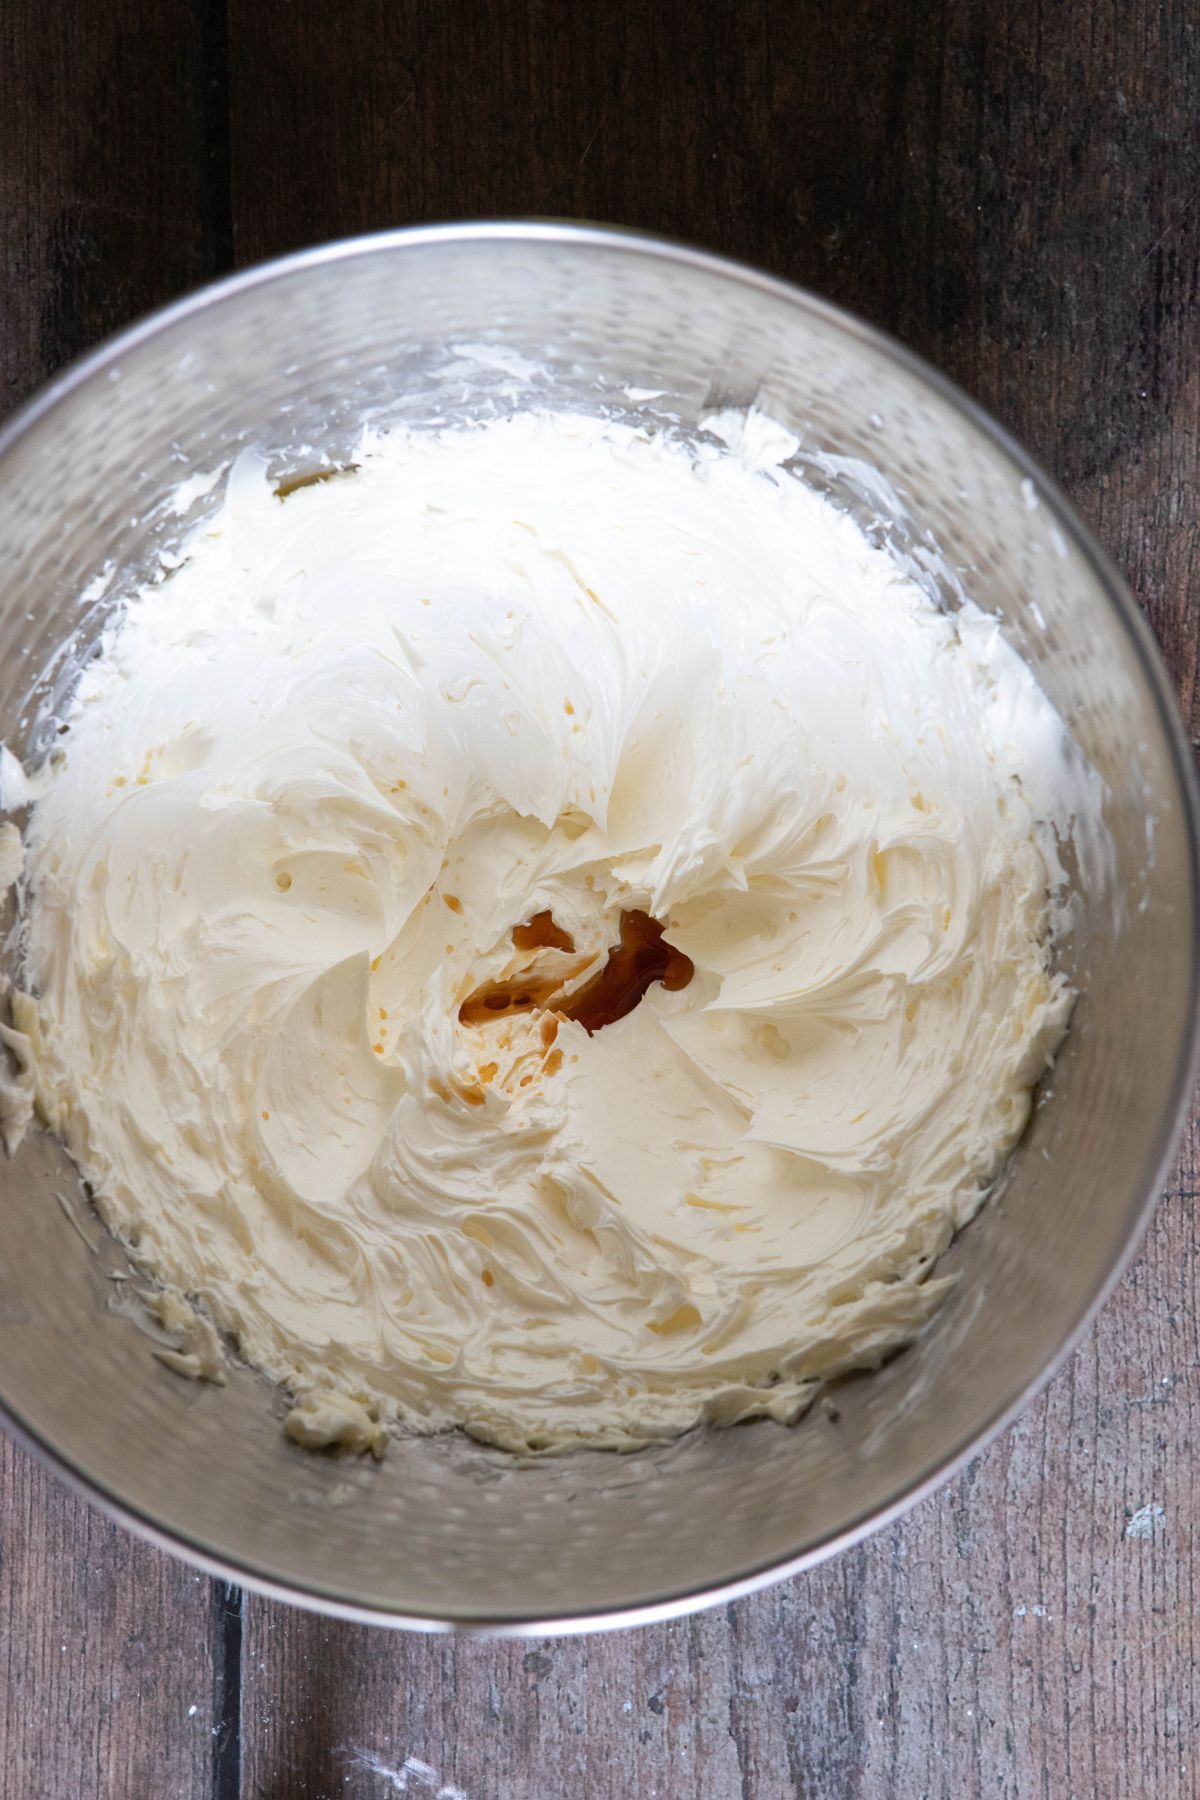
[291, 483]
[500, 999]
[542, 933]
[640, 959]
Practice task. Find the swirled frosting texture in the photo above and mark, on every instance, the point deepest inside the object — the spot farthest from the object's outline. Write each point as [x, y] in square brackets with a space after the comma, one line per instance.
[317, 777]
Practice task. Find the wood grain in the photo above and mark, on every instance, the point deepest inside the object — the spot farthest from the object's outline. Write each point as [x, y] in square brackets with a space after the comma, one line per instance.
[106, 1668]
[1011, 188]
[109, 1651]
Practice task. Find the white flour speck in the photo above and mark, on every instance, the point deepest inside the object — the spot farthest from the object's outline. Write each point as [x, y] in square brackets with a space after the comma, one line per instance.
[412, 1776]
[1145, 1520]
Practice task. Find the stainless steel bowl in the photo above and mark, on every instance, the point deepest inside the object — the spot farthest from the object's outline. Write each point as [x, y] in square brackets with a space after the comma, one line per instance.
[291, 357]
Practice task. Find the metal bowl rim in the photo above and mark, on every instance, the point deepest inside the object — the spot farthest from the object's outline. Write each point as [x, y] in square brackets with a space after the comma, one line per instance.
[627, 241]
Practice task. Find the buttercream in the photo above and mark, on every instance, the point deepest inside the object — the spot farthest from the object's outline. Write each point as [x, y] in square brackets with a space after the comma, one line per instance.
[317, 776]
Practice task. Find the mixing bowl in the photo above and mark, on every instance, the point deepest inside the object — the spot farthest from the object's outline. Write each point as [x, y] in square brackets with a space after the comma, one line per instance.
[470, 320]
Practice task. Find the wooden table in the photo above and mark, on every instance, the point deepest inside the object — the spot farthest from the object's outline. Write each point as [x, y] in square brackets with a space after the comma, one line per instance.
[1011, 188]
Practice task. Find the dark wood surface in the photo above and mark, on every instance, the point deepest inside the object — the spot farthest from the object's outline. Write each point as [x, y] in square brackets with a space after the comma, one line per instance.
[1010, 187]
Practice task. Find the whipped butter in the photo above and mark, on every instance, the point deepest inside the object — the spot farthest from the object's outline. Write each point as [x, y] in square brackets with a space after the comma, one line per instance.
[441, 729]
